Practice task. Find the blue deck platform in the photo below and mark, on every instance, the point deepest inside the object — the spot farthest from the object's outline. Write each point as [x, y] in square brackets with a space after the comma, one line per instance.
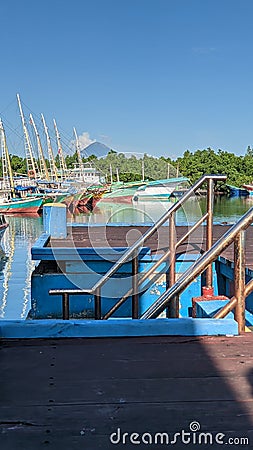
[73, 263]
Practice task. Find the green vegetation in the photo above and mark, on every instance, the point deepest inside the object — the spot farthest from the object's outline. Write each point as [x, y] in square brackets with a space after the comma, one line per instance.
[239, 169]
[130, 168]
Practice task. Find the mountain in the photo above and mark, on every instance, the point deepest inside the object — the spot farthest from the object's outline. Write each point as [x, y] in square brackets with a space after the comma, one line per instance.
[96, 148]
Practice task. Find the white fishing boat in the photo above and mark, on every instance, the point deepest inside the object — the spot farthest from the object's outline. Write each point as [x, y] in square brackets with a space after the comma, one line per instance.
[159, 190]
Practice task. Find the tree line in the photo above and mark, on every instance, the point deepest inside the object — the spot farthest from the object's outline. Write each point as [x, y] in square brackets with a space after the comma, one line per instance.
[239, 169]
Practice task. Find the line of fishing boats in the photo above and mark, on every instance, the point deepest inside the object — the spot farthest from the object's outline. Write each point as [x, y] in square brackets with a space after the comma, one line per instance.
[80, 188]
[31, 199]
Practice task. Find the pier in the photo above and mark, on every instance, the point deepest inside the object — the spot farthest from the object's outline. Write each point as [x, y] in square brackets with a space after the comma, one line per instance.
[74, 393]
[117, 235]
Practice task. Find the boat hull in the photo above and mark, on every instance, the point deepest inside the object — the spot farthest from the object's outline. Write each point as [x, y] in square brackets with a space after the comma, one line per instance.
[21, 206]
[159, 190]
[235, 191]
[123, 195]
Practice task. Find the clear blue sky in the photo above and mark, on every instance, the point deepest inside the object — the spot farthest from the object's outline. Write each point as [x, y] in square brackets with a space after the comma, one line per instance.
[155, 76]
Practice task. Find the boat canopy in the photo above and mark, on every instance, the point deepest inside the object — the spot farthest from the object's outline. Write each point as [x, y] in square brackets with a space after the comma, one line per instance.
[168, 181]
[20, 188]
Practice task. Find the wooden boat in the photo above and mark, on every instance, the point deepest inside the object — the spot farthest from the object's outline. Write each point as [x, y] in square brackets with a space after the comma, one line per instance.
[248, 188]
[14, 203]
[160, 190]
[20, 206]
[82, 203]
[121, 195]
[235, 191]
[120, 192]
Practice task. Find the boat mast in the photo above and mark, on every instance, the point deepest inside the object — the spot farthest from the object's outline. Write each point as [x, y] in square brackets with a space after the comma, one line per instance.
[79, 156]
[142, 170]
[63, 166]
[8, 182]
[43, 166]
[117, 174]
[53, 168]
[111, 174]
[168, 170]
[32, 166]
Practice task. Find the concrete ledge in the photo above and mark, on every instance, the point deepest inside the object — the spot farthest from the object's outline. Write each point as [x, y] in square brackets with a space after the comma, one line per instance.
[208, 308]
[13, 329]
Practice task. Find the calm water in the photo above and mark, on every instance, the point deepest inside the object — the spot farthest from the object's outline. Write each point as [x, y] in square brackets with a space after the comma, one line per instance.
[16, 265]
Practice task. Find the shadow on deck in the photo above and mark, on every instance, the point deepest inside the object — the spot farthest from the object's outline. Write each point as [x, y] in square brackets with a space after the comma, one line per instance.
[74, 393]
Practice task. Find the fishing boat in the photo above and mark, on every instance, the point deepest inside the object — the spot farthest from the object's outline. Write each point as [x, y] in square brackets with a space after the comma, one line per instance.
[11, 203]
[20, 206]
[248, 188]
[121, 195]
[160, 190]
[235, 191]
[119, 192]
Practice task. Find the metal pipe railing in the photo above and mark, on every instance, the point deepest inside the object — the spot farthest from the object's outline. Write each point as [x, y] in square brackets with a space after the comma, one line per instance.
[209, 230]
[223, 312]
[239, 277]
[173, 307]
[146, 275]
[139, 243]
[199, 266]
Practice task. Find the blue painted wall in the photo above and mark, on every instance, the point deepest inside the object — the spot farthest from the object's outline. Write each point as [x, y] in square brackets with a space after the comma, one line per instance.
[86, 270]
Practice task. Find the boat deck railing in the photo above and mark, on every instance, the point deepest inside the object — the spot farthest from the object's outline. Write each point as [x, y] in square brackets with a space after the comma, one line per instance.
[169, 300]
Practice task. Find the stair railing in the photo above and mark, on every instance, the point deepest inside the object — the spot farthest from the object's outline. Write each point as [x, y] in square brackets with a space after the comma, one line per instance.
[235, 234]
[132, 254]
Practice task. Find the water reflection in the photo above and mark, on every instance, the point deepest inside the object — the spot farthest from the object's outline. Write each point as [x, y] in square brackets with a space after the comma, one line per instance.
[15, 276]
[141, 212]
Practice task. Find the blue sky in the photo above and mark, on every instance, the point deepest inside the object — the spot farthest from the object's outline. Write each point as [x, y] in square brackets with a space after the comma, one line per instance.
[154, 76]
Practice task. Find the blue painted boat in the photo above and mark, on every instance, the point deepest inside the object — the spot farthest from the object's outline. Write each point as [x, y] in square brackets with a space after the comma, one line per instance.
[235, 191]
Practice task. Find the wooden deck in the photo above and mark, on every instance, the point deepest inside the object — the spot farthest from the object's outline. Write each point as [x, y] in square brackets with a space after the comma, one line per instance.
[71, 394]
[122, 236]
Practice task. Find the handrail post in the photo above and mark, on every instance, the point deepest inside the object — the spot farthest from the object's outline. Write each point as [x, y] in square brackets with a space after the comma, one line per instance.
[209, 229]
[239, 277]
[65, 306]
[173, 308]
[97, 301]
[135, 295]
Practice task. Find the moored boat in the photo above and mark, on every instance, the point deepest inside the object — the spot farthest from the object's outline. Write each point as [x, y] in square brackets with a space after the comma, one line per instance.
[248, 188]
[121, 195]
[158, 190]
[235, 191]
[18, 206]
[120, 192]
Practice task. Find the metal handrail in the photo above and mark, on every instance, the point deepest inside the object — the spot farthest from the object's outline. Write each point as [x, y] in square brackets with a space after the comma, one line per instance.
[154, 267]
[200, 265]
[139, 243]
[223, 312]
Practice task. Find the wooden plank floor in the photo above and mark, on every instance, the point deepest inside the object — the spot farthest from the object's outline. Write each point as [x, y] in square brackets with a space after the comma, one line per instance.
[125, 236]
[71, 394]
